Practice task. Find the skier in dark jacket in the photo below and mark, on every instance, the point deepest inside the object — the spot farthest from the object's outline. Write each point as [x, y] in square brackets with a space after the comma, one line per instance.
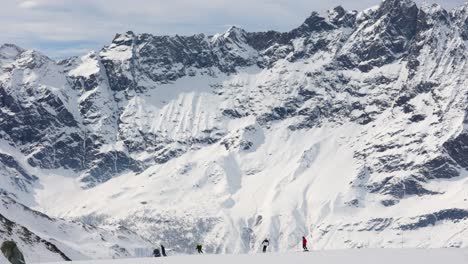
[199, 248]
[304, 244]
[156, 253]
[265, 244]
[163, 251]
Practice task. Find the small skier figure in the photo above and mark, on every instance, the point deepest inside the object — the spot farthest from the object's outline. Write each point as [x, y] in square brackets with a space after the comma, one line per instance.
[265, 244]
[163, 251]
[199, 248]
[304, 244]
[156, 253]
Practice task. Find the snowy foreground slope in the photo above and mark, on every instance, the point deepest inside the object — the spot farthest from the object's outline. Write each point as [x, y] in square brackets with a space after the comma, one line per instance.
[47, 239]
[364, 256]
[351, 129]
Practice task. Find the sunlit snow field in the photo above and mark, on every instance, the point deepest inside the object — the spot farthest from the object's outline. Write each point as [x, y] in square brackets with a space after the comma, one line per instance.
[361, 256]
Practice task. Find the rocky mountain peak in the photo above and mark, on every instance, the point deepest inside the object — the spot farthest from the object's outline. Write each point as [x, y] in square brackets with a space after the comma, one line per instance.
[397, 8]
[341, 17]
[9, 52]
[390, 5]
[337, 12]
[32, 59]
[460, 16]
[462, 11]
[232, 35]
[124, 39]
[234, 31]
[431, 14]
[401, 16]
[315, 22]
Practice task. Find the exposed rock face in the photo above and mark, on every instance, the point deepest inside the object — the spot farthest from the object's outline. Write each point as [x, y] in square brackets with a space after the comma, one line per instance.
[391, 79]
[12, 252]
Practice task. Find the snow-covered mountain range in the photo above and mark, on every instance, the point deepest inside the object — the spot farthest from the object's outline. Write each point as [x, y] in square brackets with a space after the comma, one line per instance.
[351, 129]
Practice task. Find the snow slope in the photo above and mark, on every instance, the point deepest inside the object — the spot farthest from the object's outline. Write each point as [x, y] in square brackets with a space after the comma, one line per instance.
[43, 238]
[363, 256]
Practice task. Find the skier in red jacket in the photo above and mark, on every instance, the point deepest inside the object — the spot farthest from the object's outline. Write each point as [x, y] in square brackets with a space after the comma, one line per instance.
[304, 244]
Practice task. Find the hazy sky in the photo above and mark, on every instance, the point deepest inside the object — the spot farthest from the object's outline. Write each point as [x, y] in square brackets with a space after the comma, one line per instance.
[61, 28]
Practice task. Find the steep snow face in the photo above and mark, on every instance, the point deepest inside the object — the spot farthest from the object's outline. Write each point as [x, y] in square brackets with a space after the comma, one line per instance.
[351, 128]
[43, 238]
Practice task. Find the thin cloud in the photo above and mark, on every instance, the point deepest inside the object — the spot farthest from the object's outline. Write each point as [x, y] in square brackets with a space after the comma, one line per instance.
[28, 4]
[49, 24]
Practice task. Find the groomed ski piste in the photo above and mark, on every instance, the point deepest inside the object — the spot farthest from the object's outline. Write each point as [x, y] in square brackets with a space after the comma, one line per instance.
[358, 256]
